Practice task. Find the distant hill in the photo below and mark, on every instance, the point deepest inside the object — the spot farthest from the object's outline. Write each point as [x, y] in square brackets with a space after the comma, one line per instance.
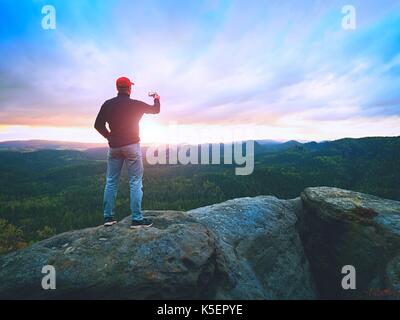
[99, 150]
[262, 146]
[268, 142]
[48, 144]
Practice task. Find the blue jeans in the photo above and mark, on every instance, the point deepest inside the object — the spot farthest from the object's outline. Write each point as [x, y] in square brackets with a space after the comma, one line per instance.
[132, 155]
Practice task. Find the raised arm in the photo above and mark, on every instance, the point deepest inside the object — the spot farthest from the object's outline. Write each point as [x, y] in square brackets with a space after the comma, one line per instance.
[148, 108]
[100, 123]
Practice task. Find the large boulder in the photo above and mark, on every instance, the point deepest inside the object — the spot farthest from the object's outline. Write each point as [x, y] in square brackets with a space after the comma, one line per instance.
[243, 249]
[260, 248]
[174, 259]
[340, 227]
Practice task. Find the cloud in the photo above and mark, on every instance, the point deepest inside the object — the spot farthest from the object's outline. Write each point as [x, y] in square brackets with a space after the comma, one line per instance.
[214, 62]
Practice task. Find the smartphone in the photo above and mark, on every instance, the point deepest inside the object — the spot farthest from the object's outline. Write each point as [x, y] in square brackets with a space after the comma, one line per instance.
[152, 94]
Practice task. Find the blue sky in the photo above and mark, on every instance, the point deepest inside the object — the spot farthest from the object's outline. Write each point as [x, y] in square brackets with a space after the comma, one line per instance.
[282, 70]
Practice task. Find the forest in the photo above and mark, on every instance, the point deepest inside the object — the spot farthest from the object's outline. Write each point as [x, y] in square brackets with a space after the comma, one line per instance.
[48, 191]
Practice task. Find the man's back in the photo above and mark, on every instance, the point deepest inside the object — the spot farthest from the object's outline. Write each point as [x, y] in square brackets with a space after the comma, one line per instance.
[123, 115]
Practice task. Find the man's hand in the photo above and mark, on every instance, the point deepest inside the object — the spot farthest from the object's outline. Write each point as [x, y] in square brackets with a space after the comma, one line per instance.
[154, 95]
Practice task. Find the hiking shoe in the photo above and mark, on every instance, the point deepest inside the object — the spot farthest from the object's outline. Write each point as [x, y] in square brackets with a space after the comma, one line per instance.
[141, 223]
[109, 221]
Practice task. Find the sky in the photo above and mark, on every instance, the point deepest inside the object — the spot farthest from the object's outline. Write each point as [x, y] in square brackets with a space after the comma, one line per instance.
[224, 69]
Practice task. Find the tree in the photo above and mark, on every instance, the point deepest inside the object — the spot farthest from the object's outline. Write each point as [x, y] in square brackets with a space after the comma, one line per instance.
[11, 238]
[45, 233]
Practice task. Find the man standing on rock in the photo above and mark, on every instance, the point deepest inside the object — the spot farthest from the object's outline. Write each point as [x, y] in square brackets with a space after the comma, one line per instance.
[123, 115]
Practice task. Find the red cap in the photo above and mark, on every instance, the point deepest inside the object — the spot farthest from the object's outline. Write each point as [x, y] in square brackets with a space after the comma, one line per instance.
[124, 82]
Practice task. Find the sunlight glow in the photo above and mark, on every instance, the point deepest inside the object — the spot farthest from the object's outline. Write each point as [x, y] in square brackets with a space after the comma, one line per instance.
[297, 128]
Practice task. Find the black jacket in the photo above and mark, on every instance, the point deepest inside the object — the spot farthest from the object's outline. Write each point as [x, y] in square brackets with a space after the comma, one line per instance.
[123, 115]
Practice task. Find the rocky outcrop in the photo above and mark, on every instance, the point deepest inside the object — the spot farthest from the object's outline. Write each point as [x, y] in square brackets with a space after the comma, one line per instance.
[244, 249]
[247, 248]
[261, 247]
[175, 259]
[340, 227]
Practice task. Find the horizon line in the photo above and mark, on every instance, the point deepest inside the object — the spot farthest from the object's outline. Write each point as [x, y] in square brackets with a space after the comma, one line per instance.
[183, 143]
